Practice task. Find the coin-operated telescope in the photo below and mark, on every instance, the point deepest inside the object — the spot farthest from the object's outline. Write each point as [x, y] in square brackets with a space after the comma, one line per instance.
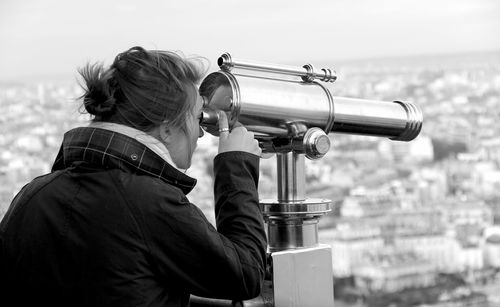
[291, 111]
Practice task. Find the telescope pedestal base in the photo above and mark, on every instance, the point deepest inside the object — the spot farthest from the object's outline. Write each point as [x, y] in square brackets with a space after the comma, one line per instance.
[303, 277]
[293, 224]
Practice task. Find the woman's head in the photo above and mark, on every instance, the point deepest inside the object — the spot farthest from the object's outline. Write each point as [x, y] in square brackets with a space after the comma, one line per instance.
[144, 89]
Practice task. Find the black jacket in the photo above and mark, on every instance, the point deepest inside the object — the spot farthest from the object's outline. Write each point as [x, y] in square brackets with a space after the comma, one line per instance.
[111, 226]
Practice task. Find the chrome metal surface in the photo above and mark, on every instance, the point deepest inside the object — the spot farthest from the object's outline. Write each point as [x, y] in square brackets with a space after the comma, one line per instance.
[291, 177]
[308, 208]
[292, 220]
[292, 225]
[210, 117]
[296, 233]
[399, 121]
[271, 108]
[307, 72]
[268, 107]
[315, 143]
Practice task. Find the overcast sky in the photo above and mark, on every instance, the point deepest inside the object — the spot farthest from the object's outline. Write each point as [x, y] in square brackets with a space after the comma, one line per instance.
[42, 37]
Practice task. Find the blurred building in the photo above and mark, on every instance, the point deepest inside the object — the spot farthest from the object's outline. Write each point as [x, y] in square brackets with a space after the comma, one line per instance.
[431, 184]
[459, 211]
[368, 205]
[436, 248]
[491, 149]
[393, 270]
[414, 152]
[349, 242]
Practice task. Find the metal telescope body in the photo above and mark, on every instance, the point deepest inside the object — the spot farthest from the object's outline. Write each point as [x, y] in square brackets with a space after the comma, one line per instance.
[291, 110]
[271, 100]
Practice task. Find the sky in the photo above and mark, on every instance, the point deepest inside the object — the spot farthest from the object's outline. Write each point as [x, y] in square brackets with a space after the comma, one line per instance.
[57, 36]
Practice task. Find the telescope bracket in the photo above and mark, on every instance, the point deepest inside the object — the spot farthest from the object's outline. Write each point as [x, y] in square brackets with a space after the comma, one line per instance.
[314, 143]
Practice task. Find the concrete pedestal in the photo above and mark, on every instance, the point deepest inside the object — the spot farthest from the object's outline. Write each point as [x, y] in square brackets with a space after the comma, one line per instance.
[303, 277]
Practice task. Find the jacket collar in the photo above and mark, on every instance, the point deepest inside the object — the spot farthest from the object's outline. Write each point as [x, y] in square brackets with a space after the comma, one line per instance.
[148, 140]
[110, 149]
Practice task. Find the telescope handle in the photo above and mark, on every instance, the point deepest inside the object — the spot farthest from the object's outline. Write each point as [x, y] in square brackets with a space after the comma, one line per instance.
[306, 72]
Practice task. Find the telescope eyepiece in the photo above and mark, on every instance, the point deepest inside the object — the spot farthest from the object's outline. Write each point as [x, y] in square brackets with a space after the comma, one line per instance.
[209, 117]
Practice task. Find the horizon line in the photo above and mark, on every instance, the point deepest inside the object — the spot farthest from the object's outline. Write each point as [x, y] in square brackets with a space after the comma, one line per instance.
[26, 79]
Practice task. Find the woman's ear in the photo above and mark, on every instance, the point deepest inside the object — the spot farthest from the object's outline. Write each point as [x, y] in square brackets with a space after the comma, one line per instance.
[164, 133]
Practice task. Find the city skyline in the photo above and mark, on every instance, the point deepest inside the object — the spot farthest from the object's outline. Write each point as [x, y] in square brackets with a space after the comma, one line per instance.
[53, 37]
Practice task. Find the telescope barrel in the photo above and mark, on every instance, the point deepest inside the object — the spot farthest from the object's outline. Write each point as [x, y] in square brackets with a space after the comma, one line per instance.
[399, 121]
[277, 108]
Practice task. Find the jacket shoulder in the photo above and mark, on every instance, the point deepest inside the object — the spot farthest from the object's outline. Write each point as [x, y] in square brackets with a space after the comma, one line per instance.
[26, 193]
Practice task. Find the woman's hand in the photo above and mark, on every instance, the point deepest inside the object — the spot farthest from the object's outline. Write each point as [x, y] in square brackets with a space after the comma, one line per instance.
[239, 139]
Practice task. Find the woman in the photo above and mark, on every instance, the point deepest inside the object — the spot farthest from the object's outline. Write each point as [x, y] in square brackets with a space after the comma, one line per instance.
[111, 224]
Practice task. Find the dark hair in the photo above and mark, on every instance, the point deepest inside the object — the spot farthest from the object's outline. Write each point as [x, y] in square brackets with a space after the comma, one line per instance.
[142, 88]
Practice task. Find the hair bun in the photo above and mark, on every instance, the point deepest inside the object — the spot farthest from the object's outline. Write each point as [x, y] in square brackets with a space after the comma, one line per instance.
[98, 98]
[99, 102]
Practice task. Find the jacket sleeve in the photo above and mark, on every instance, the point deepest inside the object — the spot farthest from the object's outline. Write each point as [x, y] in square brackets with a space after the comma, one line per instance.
[189, 253]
